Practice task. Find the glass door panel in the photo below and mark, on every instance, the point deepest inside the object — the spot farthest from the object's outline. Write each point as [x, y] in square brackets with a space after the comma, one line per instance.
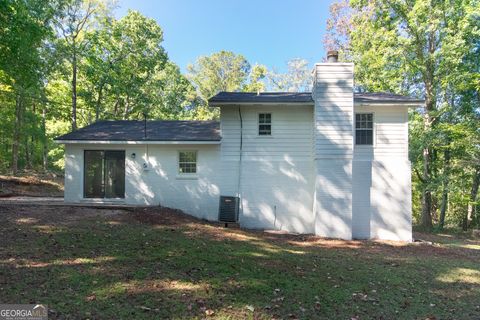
[114, 174]
[93, 174]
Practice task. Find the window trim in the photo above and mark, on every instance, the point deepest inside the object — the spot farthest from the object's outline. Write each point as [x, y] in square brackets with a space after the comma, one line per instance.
[187, 175]
[374, 130]
[258, 124]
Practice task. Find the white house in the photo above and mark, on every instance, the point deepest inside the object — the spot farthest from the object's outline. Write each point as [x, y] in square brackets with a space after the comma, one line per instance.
[331, 162]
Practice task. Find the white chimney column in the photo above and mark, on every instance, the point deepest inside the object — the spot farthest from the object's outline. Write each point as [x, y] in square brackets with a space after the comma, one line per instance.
[333, 96]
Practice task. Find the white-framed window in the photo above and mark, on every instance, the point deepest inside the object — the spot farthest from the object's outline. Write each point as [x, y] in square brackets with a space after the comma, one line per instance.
[264, 124]
[187, 162]
[364, 129]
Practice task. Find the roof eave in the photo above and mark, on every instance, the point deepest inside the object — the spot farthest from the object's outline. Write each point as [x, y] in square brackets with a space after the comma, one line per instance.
[230, 103]
[168, 142]
[410, 104]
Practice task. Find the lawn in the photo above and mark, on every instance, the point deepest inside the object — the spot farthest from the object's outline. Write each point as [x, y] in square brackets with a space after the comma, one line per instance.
[158, 263]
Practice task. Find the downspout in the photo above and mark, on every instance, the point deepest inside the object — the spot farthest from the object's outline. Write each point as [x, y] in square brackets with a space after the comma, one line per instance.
[145, 165]
[240, 161]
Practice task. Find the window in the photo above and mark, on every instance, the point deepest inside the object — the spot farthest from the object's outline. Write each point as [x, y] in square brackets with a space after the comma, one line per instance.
[104, 174]
[187, 162]
[364, 128]
[265, 124]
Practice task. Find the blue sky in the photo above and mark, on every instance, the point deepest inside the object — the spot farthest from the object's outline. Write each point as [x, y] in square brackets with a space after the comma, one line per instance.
[265, 31]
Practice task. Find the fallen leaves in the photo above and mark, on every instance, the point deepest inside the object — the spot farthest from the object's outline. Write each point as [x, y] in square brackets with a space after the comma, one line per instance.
[91, 298]
[209, 312]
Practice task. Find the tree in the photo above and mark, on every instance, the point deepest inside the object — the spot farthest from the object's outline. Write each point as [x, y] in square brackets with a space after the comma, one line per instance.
[77, 17]
[256, 77]
[125, 67]
[298, 77]
[339, 26]
[221, 71]
[21, 65]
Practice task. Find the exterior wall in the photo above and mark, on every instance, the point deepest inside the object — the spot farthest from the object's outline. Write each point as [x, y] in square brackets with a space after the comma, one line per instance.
[308, 177]
[381, 178]
[333, 96]
[276, 180]
[160, 184]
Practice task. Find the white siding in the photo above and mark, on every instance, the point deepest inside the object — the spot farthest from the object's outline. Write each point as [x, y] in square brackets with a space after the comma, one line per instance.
[291, 133]
[390, 133]
[277, 171]
[160, 184]
[333, 198]
[381, 178]
[333, 95]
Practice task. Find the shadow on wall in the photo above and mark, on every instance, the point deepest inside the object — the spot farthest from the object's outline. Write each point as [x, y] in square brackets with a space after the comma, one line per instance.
[333, 158]
[381, 197]
[391, 200]
[198, 195]
[379, 206]
[361, 199]
[282, 199]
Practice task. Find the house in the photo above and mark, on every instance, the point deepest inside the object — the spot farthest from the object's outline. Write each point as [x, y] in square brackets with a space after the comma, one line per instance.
[331, 162]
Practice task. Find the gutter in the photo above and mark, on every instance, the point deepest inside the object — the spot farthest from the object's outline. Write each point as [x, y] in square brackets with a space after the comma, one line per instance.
[217, 104]
[410, 104]
[135, 142]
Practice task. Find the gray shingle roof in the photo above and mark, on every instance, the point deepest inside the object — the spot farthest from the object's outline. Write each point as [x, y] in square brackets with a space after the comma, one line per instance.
[304, 97]
[133, 130]
[290, 97]
[384, 97]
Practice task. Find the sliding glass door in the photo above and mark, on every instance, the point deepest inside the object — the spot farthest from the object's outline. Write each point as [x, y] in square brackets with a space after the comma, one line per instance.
[104, 174]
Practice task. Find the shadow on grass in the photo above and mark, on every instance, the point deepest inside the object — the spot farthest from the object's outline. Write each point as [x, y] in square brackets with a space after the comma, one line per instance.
[157, 263]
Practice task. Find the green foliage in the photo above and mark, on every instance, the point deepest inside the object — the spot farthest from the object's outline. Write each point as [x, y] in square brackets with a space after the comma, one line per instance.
[298, 77]
[122, 71]
[222, 71]
[123, 58]
[256, 83]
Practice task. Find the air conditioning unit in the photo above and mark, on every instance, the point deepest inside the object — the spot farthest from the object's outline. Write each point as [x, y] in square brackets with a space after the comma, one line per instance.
[228, 209]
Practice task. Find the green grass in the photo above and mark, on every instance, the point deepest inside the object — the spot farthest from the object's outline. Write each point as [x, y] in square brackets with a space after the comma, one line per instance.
[99, 264]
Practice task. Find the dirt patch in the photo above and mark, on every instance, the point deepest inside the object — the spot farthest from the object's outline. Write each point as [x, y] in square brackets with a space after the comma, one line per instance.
[174, 219]
[53, 215]
[32, 186]
[437, 246]
[162, 216]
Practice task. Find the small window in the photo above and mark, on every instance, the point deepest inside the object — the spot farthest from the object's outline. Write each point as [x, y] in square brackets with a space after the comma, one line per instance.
[265, 124]
[364, 128]
[187, 162]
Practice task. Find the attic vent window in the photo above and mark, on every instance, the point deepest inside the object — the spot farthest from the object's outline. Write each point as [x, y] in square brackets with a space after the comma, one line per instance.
[264, 124]
[364, 128]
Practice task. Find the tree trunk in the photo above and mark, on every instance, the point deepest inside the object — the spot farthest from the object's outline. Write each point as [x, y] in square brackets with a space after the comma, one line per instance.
[99, 101]
[74, 90]
[446, 173]
[28, 161]
[427, 155]
[45, 140]
[16, 134]
[473, 198]
[426, 193]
